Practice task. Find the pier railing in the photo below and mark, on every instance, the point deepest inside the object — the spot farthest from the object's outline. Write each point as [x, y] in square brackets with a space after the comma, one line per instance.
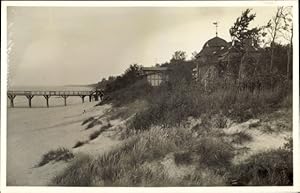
[47, 94]
[51, 93]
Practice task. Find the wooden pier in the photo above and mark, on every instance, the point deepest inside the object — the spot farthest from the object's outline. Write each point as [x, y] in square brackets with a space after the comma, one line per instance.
[96, 94]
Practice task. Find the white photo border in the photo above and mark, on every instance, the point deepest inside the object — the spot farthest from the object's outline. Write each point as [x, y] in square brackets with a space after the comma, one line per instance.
[243, 189]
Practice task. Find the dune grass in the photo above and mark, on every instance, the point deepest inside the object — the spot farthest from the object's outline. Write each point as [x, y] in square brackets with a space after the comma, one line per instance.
[137, 162]
[95, 134]
[241, 137]
[60, 154]
[107, 126]
[269, 168]
[88, 120]
[184, 158]
[78, 173]
[127, 164]
[93, 123]
[79, 143]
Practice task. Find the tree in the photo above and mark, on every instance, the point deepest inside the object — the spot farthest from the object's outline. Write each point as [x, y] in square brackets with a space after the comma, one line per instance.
[178, 56]
[181, 71]
[288, 35]
[130, 76]
[240, 30]
[101, 84]
[194, 54]
[278, 28]
[133, 73]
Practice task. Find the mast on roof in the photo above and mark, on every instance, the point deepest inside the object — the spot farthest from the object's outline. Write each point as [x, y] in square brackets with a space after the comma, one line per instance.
[216, 24]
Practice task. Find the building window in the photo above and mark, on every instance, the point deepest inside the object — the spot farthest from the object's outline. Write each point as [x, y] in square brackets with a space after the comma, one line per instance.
[155, 79]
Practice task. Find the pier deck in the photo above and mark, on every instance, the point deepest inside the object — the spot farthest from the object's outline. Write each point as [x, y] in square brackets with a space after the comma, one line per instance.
[47, 94]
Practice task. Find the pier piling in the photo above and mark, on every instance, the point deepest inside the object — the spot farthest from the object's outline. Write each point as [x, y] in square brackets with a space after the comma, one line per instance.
[47, 100]
[11, 98]
[29, 97]
[65, 99]
[82, 98]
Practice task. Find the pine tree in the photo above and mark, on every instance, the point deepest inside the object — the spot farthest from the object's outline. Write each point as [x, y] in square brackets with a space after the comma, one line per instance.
[240, 30]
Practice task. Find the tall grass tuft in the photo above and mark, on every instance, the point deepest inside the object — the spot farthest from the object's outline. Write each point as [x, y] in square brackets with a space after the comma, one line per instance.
[273, 167]
[184, 158]
[79, 143]
[213, 153]
[87, 120]
[60, 154]
[95, 134]
[77, 174]
[93, 123]
[241, 137]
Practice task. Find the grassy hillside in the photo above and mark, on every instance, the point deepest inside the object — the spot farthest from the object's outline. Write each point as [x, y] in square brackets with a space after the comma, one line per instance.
[182, 136]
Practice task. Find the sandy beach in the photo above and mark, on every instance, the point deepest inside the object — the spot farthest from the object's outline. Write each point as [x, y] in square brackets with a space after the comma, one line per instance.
[33, 132]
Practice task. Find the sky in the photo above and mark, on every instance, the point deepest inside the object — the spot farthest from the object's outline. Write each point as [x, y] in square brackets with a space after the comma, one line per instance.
[51, 46]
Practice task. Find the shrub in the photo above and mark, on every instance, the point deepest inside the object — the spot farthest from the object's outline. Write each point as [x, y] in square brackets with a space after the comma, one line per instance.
[79, 143]
[106, 168]
[87, 120]
[289, 144]
[93, 123]
[273, 167]
[76, 174]
[254, 125]
[104, 127]
[204, 177]
[153, 175]
[288, 101]
[127, 111]
[95, 134]
[129, 93]
[213, 153]
[60, 154]
[267, 128]
[183, 158]
[205, 125]
[241, 137]
[130, 76]
[220, 121]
